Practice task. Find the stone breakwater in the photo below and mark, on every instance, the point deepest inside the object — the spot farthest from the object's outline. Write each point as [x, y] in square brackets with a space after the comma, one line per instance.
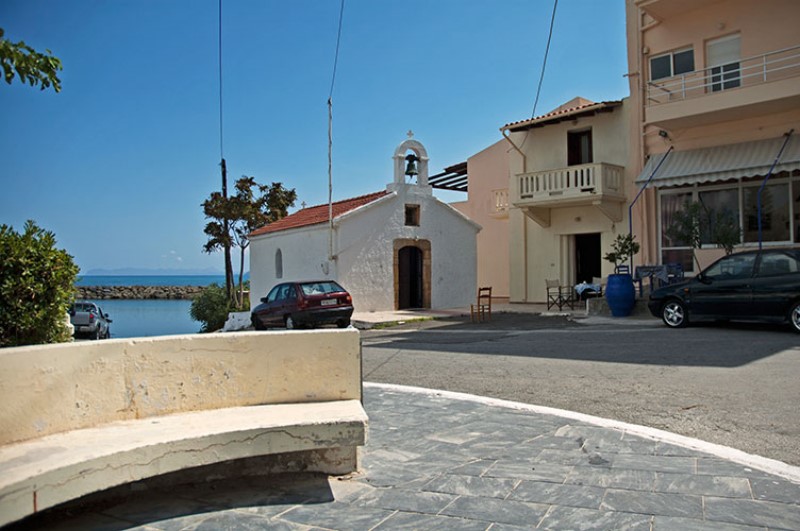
[138, 292]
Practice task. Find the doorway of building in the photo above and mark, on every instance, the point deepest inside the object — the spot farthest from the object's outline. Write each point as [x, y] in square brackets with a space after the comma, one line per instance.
[410, 288]
[587, 257]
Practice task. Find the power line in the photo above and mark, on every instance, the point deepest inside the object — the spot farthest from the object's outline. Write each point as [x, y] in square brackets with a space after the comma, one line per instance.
[336, 55]
[544, 62]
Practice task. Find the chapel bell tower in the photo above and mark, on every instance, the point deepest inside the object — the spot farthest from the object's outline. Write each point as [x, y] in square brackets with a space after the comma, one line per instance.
[411, 161]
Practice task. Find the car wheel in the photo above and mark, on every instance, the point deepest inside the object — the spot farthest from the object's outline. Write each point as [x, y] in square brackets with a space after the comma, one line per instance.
[343, 323]
[794, 316]
[96, 334]
[290, 324]
[257, 324]
[673, 313]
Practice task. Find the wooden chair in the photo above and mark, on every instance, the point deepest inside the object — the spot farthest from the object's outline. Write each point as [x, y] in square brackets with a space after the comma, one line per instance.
[554, 293]
[482, 306]
[558, 295]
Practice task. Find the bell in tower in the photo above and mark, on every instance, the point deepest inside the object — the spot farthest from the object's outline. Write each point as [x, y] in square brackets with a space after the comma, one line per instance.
[411, 165]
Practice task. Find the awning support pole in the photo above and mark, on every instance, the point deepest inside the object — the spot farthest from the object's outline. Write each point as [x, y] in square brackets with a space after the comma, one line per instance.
[764, 184]
[630, 207]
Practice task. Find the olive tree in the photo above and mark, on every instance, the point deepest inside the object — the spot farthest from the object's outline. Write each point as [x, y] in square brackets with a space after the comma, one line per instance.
[36, 287]
[252, 206]
[697, 224]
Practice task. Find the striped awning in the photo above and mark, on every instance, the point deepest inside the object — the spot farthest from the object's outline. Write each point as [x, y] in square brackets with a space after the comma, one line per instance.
[720, 163]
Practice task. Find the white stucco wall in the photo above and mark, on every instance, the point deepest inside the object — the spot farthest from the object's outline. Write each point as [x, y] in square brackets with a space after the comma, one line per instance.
[304, 253]
[365, 243]
[364, 247]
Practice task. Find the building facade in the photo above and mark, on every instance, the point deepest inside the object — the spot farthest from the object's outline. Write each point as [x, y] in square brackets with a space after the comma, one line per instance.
[487, 205]
[715, 114]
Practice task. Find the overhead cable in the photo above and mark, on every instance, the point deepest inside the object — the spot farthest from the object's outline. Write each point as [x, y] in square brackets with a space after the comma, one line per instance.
[544, 62]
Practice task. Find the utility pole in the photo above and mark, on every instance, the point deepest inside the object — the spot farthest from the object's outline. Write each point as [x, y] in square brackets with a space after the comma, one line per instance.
[226, 231]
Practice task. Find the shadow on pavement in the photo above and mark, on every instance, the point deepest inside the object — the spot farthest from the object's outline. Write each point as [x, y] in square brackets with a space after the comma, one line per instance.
[576, 338]
[172, 502]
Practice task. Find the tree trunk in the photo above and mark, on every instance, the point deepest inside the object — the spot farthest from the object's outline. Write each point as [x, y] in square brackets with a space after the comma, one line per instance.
[240, 304]
[229, 285]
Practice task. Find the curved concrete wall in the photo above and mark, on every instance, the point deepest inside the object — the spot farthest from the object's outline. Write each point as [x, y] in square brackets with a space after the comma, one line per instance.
[49, 389]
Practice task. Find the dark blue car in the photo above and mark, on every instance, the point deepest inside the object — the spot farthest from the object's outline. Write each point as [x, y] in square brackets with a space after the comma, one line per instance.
[748, 286]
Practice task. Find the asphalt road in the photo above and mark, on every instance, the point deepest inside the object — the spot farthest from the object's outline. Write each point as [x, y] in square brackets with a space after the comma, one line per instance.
[736, 385]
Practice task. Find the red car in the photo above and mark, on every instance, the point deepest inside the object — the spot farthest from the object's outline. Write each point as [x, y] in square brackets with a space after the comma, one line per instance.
[304, 303]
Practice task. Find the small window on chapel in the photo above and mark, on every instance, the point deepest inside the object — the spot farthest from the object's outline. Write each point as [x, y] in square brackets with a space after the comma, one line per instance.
[412, 215]
[278, 264]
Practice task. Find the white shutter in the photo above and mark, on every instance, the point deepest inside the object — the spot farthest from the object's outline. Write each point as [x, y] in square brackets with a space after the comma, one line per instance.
[723, 51]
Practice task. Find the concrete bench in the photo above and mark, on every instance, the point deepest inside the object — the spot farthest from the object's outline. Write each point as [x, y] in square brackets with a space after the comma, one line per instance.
[83, 417]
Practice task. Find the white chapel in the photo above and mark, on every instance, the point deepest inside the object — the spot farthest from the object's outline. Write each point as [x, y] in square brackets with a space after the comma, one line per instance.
[400, 248]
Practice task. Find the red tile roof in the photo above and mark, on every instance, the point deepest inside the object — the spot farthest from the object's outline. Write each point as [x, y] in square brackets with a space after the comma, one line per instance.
[318, 214]
[563, 113]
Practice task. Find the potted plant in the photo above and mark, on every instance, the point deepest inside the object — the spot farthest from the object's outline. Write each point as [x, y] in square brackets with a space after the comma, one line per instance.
[620, 293]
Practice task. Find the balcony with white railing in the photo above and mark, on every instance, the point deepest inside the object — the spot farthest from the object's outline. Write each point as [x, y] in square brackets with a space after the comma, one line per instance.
[500, 204]
[768, 82]
[598, 185]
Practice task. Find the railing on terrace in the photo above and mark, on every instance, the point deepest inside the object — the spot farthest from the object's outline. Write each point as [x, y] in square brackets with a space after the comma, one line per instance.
[756, 70]
[573, 182]
[500, 200]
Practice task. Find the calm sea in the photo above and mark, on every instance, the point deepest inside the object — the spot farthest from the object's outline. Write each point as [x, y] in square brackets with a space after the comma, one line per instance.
[144, 318]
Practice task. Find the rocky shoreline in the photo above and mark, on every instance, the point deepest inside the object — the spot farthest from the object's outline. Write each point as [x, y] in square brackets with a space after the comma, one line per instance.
[138, 292]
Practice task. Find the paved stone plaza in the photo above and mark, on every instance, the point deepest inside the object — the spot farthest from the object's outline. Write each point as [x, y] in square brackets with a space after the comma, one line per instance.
[442, 461]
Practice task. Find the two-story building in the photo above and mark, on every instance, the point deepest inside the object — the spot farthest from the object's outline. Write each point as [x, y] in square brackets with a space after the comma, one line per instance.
[715, 114]
[566, 194]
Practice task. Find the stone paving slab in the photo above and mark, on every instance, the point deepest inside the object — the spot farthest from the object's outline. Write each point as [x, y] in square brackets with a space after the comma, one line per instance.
[439, 460]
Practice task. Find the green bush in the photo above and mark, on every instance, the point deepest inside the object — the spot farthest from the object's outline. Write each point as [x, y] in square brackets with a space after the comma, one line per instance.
[37, 284]
[211, 308]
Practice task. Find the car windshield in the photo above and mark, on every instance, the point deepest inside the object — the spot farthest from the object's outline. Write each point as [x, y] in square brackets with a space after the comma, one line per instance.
[320, 288]
[83, 307]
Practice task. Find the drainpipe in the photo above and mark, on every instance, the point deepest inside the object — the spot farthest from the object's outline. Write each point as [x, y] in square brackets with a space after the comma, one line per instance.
[764, 184]
[504, 132]
[641, 190]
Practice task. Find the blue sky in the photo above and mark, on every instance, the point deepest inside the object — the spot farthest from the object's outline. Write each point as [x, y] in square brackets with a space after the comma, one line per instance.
[118, 163]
